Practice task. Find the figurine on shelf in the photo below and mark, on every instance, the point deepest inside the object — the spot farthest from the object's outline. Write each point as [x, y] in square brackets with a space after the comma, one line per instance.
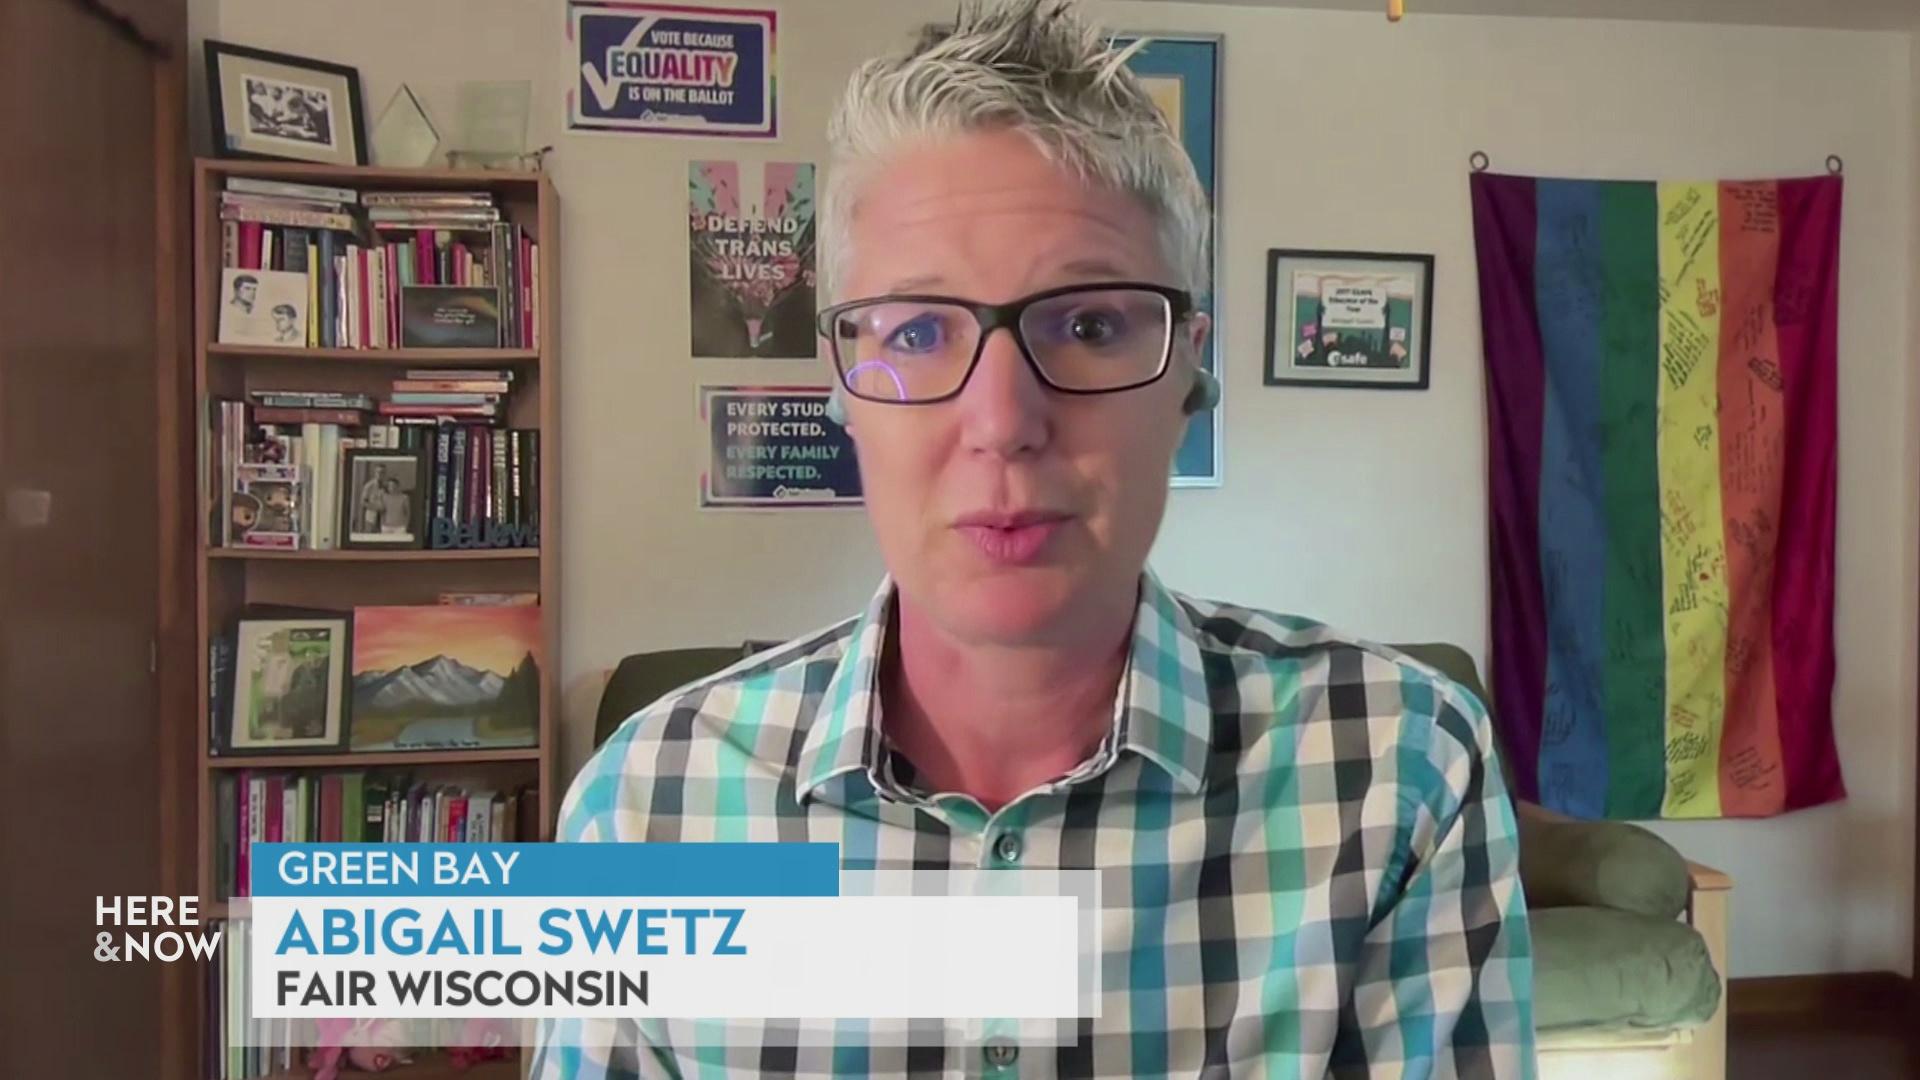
[366, 1045]
[483, 1038]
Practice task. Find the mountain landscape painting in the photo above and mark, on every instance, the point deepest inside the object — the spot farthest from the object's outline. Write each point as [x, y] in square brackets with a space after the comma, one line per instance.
[445, 677]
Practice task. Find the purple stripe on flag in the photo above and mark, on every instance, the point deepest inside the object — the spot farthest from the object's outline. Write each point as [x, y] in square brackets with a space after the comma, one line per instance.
[1504, 220]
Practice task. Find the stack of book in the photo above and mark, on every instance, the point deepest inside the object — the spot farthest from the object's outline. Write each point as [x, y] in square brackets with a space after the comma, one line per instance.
[382, 269]
[485, 478]
[280, 465]
[351, 808]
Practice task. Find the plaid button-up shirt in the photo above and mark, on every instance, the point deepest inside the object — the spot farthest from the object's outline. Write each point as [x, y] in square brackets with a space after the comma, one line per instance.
[1308, 858]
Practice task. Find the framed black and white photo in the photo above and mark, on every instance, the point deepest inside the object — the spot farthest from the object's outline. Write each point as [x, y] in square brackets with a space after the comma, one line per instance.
[1349, 318]
[382, 504]
[289, 678]
[274, 105]
[263, 307]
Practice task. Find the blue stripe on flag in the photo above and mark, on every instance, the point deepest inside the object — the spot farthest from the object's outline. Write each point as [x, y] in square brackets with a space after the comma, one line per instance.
[1568, 280]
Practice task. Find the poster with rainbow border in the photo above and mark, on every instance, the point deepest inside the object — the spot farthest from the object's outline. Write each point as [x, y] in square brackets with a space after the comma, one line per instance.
[751, 241]
[668, 69]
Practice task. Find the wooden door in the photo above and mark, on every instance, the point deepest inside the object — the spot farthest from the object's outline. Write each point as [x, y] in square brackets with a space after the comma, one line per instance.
[90, 451]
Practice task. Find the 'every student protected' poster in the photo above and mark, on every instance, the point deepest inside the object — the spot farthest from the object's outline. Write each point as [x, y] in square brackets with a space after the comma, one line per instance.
[774, 447]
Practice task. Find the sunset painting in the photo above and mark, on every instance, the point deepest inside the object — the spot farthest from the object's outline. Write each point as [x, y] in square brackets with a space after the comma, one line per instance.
[445, 677]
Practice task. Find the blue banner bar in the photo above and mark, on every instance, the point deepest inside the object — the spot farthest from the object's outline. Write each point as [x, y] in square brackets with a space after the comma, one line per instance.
[625, 870]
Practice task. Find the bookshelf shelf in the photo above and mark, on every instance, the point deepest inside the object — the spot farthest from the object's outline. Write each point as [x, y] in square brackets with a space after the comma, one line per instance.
[361, 176]
[372, 759]
[397, 357]
[432, 1067]
[232, 583]
[375, 555]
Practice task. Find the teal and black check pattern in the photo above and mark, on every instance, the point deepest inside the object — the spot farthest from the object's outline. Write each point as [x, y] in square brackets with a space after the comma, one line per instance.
[1308, 861]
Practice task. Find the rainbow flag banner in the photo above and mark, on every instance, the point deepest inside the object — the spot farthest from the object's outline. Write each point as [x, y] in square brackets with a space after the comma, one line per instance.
[1660, 395]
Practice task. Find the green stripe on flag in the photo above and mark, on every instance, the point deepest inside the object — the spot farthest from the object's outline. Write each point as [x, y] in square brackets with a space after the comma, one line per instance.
[1634, 679]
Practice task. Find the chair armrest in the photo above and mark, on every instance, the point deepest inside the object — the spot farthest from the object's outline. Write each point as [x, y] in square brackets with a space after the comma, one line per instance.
[1707, 879]
[1708, 914]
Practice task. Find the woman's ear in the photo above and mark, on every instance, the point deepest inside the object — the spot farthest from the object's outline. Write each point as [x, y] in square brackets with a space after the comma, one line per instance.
[1199, 325]
[837, 409]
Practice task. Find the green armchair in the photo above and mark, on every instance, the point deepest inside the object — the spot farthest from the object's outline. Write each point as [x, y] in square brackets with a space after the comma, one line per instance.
[1629, 938]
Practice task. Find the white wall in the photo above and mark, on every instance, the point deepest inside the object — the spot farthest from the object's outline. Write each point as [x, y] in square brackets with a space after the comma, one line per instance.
[1366, 509]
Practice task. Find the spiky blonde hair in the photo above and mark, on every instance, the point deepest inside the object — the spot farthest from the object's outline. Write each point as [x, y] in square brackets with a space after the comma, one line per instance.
[1032, 66]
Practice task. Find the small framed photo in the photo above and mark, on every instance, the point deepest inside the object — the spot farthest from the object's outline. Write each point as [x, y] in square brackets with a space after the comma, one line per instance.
[263, 307]
[273, 105]
[289, 685]
[1349, 318]
[382, 505]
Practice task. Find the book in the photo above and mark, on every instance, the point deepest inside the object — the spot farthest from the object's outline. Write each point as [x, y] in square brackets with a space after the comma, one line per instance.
[532, 516]
[427, 198]
[450, 317]
[529, 259]
[439, 217]
[389, 408]
[490, 387]
[442, 451]
[219, 691]
[268, 414]
[290, 189]
[516, 451]
[504, 375]
[329, 496]
[497, 489]
[249, 201]
[351, 806]
[452, 397]
[273, 215]
[496, 599]
[311, 399]
[457, 476]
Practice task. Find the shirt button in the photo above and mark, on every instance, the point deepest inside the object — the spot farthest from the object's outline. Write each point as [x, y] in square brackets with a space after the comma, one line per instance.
[1008, 847]
[1002, 1054]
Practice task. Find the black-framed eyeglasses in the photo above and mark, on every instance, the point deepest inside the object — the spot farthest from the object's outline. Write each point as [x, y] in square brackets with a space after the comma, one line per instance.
[917, 349]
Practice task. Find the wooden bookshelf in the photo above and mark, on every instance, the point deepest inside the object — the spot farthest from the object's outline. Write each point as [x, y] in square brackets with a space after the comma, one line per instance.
[229, 580]
[370, 759]
[350, 555]
[399, 357]
[434, 1067]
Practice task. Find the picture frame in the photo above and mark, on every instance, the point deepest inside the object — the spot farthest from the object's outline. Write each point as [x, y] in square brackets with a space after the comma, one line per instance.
[446, 677]
[1354, 319]
[383, 499]
[280, 106]
[289, 686]
[1182, 72]
[263, 307]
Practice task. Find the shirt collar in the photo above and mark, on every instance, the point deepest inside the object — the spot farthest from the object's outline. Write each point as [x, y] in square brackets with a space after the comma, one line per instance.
[1163, 712]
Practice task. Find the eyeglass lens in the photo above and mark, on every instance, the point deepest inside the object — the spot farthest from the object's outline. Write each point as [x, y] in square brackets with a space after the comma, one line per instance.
[908, 351]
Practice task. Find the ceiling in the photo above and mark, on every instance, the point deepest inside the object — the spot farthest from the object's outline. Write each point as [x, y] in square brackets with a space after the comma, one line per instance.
[1839, 14]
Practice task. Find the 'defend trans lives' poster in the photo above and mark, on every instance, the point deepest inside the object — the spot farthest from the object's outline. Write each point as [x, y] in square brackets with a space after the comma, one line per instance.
[773, 447]
[667, 69]
[750, 227]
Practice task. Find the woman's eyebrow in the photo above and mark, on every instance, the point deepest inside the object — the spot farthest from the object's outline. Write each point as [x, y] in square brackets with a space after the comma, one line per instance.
[916, 283]
[1096, 267]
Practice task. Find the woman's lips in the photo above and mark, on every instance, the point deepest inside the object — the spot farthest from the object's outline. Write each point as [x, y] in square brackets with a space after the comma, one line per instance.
[1014, 538]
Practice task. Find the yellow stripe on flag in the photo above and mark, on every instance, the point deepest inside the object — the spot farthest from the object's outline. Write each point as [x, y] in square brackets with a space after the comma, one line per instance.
[1693, 554]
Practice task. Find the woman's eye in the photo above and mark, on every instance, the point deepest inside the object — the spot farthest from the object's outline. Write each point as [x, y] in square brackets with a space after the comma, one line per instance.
[916, 336]
[1094, 327]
